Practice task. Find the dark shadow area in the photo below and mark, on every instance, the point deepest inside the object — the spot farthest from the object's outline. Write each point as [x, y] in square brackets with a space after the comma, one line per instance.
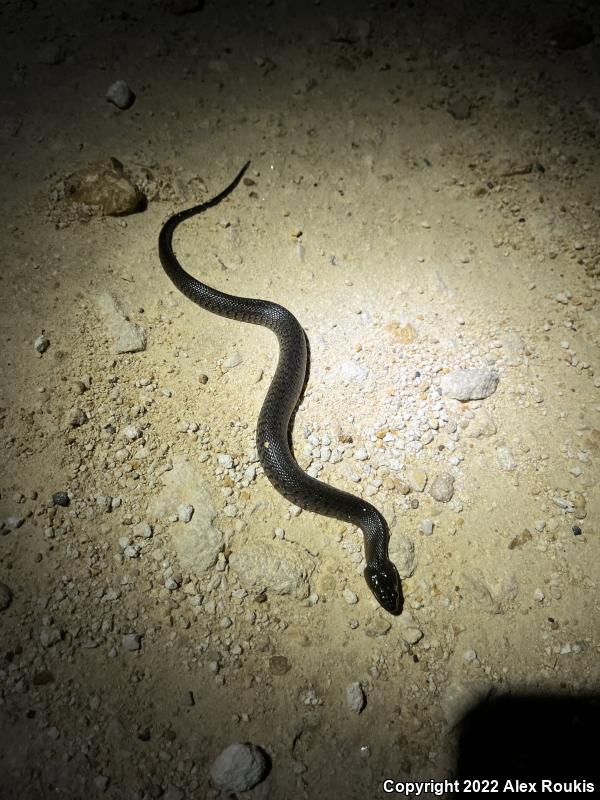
[531, 737]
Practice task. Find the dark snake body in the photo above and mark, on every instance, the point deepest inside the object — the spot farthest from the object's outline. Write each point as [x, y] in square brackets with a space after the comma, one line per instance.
[274, 420]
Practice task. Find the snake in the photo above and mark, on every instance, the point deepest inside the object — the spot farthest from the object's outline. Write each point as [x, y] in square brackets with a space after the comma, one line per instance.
[273, 432]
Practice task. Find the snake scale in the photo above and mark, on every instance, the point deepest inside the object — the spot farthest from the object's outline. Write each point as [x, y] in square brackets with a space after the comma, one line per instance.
[272, 433]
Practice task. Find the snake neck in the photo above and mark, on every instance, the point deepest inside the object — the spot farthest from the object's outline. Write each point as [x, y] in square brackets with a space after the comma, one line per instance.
[376, 534]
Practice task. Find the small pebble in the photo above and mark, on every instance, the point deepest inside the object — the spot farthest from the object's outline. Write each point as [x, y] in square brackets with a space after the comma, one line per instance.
[442, 488]
[131, 433]
[426, 527]
[355, 697]
[232, 360]
[131, 642]
[412, 635]
[61, 499]
[143, 530]
[538, 595]
[120, 95]
[469, 656]
[562, 503]
[506, 459]
[76, 417]
[42, 343]
[185, 512]
[350, 597]
[225, 461]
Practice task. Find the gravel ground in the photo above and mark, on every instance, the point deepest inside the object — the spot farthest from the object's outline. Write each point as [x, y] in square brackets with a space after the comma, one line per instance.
[423, 196]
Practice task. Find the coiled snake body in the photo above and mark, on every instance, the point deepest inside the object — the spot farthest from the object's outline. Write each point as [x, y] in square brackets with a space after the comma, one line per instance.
[282, 397]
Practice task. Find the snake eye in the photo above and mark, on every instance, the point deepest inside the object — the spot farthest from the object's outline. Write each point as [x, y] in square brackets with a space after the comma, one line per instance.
[384, 582]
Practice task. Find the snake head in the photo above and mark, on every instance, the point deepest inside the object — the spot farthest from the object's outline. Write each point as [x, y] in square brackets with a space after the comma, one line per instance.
[384, 581]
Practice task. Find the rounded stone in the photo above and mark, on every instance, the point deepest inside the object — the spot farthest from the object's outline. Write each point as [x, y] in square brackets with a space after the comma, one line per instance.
[120, 95]
[239, 768]
[61, 499]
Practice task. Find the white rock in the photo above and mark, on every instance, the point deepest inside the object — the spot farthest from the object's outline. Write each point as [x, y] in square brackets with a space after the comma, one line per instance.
[506, 459]
[232, 360]
[131, 642]
[411, 635]
[351, 371]
[402, 553]
[442, 487]
[225, 461]
[482, 425]
[42, 343]
[197, 543]
[350, 597]
[355, 697]
[239, 768]
[128, 337]
[143, 530]
[470, 384]
[416, 478]
[277, 568]
[185, 512]
[131, 433]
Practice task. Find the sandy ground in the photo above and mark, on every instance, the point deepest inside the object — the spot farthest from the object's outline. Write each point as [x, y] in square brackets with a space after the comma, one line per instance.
[423, 196]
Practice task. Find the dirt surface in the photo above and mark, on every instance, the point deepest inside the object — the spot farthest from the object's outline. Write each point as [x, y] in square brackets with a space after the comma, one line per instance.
[423, 196]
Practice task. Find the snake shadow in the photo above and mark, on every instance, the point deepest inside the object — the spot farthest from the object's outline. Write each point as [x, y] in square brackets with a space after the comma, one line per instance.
[526, 736]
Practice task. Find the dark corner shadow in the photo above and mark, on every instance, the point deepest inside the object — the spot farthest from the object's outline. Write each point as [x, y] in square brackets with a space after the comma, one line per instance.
[531, 736]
